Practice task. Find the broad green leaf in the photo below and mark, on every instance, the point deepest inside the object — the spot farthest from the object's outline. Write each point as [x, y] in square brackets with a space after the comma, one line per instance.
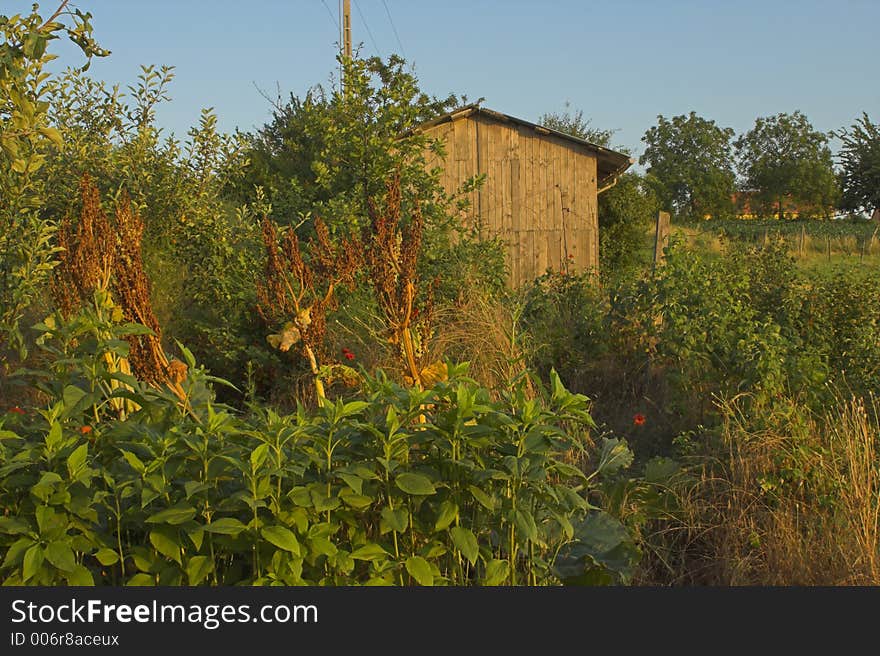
[397, 519]
[660, 470]
[496, 572]
[258, 456]
[166, 543]
[356, 501]
[197, 568]
[484, 499]
[77, 459]
[12, 526]
[447, 514]
[16, 551]
[370, 551]
[356, 483]
[282, 537]
[615, 455]
[174, 515]
[133, 461]
[61, 555]
[33, 559]
[466, 542]
[107, 557]
[226, 526]
[195, 532]
[72, 395]
[420, 570]
[525, 524]
[321, 546]
[601, 551]
[141, 580]
[417, 484]
[80, 575]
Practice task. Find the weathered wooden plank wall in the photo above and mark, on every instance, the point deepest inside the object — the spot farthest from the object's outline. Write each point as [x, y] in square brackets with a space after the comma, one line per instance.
[539, 195]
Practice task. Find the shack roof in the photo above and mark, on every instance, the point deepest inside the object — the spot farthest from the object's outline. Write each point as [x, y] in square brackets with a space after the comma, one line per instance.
[610, 163]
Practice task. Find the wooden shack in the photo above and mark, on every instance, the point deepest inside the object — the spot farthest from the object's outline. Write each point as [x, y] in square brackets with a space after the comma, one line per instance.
[541, 188]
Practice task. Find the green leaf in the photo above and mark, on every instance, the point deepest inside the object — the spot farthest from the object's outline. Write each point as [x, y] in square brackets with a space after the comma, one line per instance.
[72, 396]
[397, 519]
[11, 526]
[226, 526]
[16, 551]
[466, 542]
[420, 570]
[448, 513]
[133, 461]
[356, 501]
[258, 456]
[615, 455]
[33, 559]
[167, 543]
[496, 572]
[417, 484]
[53, 135]
[174, 515]
[80, 575]
[484, 499]
[660, 470]
[370, 552]
[283, 538]
[601, 551]
[356, 483]
[197, 568]
[525, 524]
[53, 437]
[321, 546]
[141, 580]
[107, 556]
[61, 555]
[77, 459]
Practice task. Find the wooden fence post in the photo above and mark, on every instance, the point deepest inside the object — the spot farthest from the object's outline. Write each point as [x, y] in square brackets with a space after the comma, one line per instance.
[661, 237]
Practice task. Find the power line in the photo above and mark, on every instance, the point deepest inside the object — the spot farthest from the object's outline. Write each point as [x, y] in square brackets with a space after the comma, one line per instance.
[358, 7]
[396, 35]
[332, 16]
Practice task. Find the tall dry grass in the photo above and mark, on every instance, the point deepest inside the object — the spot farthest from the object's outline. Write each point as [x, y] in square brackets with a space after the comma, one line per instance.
[792, 501]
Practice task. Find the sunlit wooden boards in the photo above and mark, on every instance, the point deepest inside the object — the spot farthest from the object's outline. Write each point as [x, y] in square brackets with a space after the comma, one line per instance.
[540, 193]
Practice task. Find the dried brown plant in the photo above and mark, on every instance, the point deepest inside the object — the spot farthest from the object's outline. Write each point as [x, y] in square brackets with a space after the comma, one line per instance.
[298, 292]
[392, 254]
[103, 256]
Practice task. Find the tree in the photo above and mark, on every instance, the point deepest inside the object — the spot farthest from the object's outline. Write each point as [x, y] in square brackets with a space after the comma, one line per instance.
[330, 151]
[788, 165]
[576, 125]
[27, 138]
[860, 162]
[624, 212]
[690, 164]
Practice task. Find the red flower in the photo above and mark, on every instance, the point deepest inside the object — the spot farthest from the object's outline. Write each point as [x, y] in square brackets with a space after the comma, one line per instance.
[348, 354]
[85, 430]
[16, 410]
[639, 419]
[571, 256]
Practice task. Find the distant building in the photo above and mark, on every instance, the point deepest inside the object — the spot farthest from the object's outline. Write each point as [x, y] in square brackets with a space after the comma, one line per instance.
[749, 206]
[541, 190]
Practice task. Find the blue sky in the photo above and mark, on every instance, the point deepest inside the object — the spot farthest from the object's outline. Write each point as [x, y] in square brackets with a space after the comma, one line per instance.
[621, 62]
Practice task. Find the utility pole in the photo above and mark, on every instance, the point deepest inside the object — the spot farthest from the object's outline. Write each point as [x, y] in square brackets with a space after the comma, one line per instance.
[346, 28]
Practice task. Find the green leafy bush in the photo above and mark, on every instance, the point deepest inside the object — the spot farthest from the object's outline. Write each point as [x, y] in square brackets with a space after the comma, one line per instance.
[396, 486]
